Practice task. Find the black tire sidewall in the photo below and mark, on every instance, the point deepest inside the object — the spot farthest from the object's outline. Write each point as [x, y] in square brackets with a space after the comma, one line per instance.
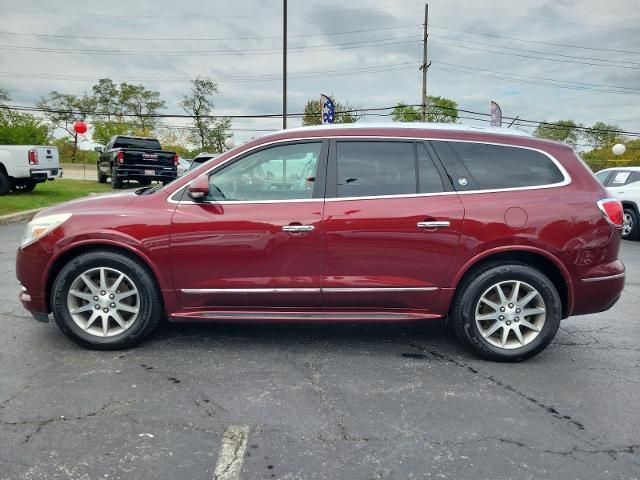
[633, 234]
[116, 183]
[465, 308]
[150, 300]
[5, 185]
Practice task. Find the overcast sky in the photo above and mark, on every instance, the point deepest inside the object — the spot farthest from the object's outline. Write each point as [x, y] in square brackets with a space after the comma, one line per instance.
[365, 52]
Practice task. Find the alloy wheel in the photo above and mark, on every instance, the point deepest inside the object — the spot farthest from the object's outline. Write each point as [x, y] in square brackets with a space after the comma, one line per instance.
[627, 225]
[103, 302]
[510, 314]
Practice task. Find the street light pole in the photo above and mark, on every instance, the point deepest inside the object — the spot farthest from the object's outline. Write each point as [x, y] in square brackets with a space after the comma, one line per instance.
[284, 66]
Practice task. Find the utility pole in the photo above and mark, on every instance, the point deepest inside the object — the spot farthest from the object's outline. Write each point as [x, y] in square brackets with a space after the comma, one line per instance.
[284, 66]
[425, 64]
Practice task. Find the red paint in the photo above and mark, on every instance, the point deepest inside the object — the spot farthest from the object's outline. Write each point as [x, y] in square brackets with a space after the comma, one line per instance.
[358, 243]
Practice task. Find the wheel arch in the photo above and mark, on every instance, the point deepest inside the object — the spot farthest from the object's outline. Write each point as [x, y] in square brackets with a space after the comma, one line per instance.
[63, 258]
[632, 204]
[547, 264]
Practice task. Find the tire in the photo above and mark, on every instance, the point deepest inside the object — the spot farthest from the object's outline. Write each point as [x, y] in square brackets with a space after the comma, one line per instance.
[5, 185]
[137, 313]
[102, 178]
[473, 321]
[144, 181]
[630, 228]
[116, 183]
[23, 186]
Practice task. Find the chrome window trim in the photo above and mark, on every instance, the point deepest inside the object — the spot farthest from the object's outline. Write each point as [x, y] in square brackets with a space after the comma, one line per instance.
[600, 279]
[563, 171]
[306, 290]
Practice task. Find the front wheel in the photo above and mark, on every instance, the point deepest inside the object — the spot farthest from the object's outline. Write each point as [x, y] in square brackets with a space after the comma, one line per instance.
[630, 227]
[5, 185]
[106, 300]
[102, 178]
[507, 313]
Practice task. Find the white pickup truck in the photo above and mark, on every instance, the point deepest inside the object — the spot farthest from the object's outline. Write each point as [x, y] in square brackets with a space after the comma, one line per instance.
[624, 184]
[24, 166]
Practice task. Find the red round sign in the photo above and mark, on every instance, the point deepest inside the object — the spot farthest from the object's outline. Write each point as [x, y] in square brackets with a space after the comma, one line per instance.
[80, 127]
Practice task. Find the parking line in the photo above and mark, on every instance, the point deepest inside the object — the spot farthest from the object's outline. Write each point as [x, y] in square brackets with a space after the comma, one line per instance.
[231, 456]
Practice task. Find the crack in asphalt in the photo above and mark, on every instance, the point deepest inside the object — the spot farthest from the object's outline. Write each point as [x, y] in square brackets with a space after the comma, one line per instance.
[547, 408]
[43, 423]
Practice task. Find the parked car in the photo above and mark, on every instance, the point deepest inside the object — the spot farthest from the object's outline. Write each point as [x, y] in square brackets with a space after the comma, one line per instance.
[22, 167]
[503, 234]
[201, 158]
[183, 165]
[624, 184]
[136, 158]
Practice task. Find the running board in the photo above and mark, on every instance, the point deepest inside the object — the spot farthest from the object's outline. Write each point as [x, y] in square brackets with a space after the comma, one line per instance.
[271, 316]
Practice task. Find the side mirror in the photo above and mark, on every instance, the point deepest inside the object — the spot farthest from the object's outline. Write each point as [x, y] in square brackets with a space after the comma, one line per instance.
[98, 149]
[198, 189]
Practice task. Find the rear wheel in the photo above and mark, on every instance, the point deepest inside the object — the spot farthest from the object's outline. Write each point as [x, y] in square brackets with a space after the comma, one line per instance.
[5, 185]
[106, 301]
[630, 227]
[116, 183]
[507, 313]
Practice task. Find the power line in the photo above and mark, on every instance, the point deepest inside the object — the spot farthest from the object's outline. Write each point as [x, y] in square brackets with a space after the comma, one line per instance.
[200, 39]
[564, 45]
[369, 111]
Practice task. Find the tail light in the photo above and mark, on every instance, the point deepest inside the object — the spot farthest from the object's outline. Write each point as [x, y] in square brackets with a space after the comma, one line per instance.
[33, 156]
[176, 159]
[120, 157]
[612, 210]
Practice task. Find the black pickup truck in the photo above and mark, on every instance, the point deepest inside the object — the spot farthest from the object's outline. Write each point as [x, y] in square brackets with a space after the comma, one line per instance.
[136, 158]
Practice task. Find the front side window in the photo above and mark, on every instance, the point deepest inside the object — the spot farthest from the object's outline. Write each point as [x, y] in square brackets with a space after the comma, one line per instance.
[285, 172]
[499, 166]
[366, 168]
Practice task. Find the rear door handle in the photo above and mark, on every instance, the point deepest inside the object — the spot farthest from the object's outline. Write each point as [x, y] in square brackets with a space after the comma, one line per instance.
[434, 224]
[298, 228]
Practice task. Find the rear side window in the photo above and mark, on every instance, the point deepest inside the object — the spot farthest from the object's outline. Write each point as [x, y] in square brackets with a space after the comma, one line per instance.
[499, 166]
[141, 143]
[375, 168]
[429, 180]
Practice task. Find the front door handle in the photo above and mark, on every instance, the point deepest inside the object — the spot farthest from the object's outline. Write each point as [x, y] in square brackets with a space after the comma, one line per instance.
[434, 224]
[298, 228]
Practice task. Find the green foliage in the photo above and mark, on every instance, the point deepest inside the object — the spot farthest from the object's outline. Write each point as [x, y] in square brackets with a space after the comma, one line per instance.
[344, 113]
[217, 136]
[199, 105]
[4, 96]
[140, 102]
[601, 134]
[405, 113]
[603, 157]
[65, 151]
[21, 129]
[103, 130]
[439, 110]
[560, 131]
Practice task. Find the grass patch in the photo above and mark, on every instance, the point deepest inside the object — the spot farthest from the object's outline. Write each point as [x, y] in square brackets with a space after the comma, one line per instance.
[50, 193]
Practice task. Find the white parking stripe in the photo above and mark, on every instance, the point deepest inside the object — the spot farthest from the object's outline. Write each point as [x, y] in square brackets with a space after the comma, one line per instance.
[231, 456]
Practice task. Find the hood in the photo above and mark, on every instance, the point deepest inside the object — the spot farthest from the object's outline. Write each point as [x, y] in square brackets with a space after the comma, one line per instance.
[110, 202]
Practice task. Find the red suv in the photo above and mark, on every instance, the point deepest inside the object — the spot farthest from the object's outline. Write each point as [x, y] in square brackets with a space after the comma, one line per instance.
[501, 233]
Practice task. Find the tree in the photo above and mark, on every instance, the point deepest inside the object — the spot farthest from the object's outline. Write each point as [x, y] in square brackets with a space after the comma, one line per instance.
[174, 140]
[405, 113]
[21, 129]
[601, 134]
[343, 113]
[199, 105]
[217, 136]
[140, 105]
[4, 96]
[439, 110]
[62, 110]
[561, 131]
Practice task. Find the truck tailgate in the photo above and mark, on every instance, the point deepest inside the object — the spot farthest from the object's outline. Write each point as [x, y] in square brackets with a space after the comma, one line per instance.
[149, 158]
[48, 157]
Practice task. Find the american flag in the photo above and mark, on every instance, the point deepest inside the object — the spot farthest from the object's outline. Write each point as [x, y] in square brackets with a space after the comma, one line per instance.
[328, 109]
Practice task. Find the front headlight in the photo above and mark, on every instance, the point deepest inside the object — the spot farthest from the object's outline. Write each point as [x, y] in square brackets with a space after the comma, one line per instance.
[40, 226]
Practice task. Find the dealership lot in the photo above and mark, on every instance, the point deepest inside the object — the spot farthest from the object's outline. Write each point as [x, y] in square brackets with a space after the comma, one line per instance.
[320, 401]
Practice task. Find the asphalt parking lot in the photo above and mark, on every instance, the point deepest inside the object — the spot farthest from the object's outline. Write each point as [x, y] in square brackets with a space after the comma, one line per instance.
[318, 402]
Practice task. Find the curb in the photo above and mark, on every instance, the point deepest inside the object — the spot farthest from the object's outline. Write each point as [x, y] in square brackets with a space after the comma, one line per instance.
[18, 217]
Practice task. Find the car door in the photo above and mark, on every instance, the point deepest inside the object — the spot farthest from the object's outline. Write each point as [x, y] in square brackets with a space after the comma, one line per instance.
[255, 241]
[391, 226]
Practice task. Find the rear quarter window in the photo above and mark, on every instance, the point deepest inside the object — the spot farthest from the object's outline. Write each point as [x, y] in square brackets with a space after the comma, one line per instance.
[488, 167]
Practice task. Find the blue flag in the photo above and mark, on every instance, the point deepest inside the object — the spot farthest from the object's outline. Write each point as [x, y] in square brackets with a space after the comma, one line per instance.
[327, 108]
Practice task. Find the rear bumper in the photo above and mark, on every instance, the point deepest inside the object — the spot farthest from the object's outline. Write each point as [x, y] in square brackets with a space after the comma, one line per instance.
[595, 294]
[43, 174]
[159, 173]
